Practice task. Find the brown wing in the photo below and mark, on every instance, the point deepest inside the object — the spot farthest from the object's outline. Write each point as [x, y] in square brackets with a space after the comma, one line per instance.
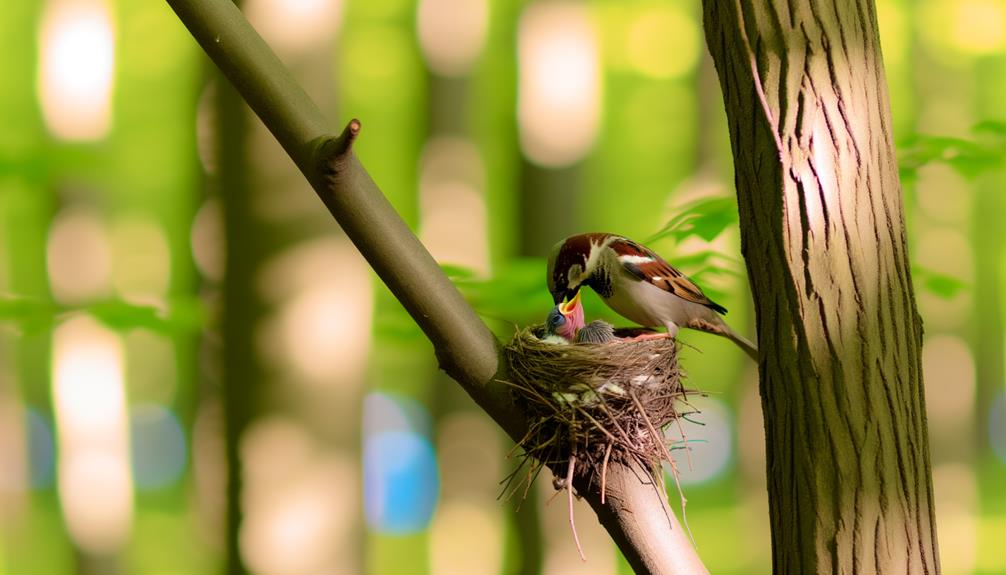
[644, 264]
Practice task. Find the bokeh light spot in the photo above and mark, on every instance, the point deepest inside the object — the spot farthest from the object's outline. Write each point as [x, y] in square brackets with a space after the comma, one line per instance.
[77, 63]
[159, 451]
[96, 495]
[384, 412]
[950, 381]
[321, 329]
[295, 26]
[894, 31]
[453, 205]
[956, 489]
[971, 27]
[997, 426]
[141, 270]
[559, 96]
[709, 434]
[663, 42]
[95, 484]
[207, 238]
[451, 33]
[401, 482]
[79, 256]
[41, 450]
[465, 539]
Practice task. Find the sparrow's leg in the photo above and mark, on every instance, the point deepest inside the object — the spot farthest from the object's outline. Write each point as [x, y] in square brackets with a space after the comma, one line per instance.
[646, 336]
[672, 332]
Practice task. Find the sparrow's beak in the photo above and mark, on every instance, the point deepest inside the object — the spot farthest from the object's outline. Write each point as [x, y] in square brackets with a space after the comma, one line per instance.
[567, 307]
[565, 295]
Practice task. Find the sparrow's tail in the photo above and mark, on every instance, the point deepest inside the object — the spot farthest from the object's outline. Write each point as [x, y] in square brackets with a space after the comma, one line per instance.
[721, 328]
[742, 342]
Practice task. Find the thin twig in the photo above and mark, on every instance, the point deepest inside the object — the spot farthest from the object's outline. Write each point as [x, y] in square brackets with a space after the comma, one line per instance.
[688, 451]
[569, 490]
[604, 471]
[596, 423]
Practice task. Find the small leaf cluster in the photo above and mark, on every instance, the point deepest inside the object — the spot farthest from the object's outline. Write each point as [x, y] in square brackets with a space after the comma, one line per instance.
[969, 158]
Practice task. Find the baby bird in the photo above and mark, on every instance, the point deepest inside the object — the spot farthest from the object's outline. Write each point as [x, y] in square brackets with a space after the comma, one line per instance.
[597, 331]
[565, 325]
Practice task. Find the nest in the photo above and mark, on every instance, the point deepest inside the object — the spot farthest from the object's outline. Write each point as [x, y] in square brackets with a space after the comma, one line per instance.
[590, 404]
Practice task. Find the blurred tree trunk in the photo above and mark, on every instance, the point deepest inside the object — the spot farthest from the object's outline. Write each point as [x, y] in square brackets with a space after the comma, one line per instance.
[822, 227]
[988, 331]
[987, 242]
[242, 374]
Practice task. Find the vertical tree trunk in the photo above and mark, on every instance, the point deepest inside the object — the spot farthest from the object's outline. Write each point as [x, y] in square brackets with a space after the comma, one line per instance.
[242, 374]
[989, 331]
[823, 236]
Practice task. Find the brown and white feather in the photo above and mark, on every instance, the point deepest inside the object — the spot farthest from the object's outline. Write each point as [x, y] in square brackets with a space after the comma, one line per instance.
[643, 263]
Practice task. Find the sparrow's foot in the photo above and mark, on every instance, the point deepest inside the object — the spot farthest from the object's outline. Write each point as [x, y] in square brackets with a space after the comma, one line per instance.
[646, 336]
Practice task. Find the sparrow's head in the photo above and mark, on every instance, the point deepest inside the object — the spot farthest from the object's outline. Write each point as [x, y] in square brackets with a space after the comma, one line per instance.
[568, 263]
[566, 318]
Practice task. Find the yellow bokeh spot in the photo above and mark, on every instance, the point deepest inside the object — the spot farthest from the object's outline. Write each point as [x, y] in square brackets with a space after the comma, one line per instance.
[973, 27]
[662, 42]
[893, 31]
[980, 26]
[992, 532]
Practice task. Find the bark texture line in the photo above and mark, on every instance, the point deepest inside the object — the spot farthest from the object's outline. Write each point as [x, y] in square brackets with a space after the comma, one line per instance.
[823, 236]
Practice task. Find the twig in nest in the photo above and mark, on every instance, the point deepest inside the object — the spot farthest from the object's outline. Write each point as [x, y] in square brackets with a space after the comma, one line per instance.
[604, 470]
[684, 439]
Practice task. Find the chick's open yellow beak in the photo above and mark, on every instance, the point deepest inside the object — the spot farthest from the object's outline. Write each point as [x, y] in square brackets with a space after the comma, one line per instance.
[567, 307]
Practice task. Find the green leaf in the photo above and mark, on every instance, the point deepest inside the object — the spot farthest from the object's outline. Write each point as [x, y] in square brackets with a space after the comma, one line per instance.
[516, 293]
[968, 157]
[705, 218]
[992, 127]
[941, 285]
[30, 315]
[456, 272]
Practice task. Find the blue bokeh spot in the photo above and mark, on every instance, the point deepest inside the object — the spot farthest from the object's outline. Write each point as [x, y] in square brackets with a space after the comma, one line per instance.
[401, 481]
[997, 426]
[41, 450]
[158, 448]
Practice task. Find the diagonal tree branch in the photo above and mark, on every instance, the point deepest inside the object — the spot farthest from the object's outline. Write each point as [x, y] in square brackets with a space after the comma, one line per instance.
[465, 347]
[635, 512]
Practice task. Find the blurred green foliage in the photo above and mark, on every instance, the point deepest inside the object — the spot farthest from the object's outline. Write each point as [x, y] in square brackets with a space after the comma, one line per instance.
[30, 315]
[970, 158]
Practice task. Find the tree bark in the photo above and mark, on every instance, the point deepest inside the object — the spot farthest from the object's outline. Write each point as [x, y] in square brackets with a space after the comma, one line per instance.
[823, 237]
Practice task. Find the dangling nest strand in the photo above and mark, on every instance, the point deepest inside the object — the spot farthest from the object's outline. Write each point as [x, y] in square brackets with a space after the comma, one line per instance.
[590, 404]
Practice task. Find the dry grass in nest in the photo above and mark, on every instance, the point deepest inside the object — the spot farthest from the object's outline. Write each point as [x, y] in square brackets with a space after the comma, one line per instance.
[590, 404]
